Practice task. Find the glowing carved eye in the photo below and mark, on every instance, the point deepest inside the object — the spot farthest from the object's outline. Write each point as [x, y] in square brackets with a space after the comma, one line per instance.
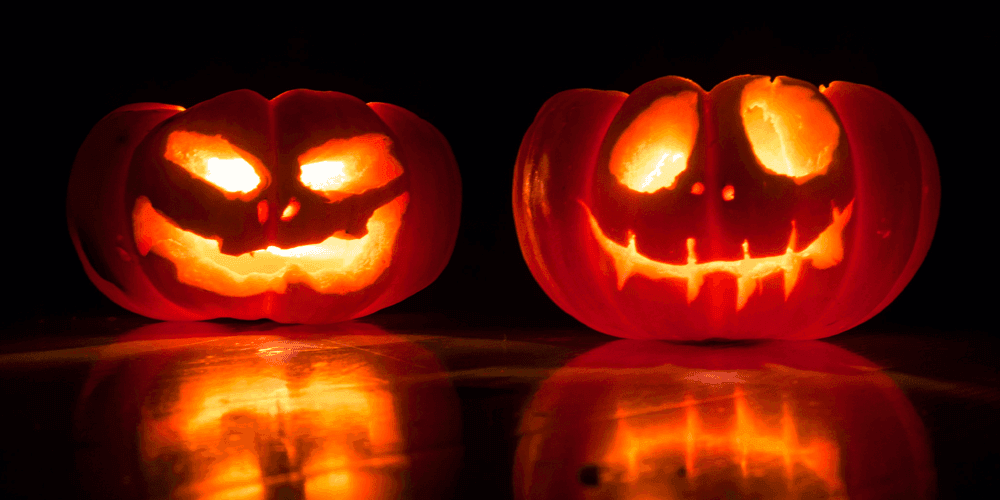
[791, 131]
[324, 175]
[655, 147]
[341, 167]
[214, 160]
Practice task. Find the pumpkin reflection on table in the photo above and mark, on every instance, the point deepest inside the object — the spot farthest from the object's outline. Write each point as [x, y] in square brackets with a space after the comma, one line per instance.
[190, 410]
[646, 419]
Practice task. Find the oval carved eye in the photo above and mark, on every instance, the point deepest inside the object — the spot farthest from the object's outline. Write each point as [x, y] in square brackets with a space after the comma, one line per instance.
[341, 167]
[792, 132]
[215, 161]
[655, 147]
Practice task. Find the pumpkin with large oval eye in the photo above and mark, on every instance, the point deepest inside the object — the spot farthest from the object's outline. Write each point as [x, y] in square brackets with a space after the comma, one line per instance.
[311, 207]
[765, 208]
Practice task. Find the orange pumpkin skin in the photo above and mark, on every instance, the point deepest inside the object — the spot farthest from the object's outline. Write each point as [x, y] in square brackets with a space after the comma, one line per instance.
[615, 258]
[780, 419]
[142, 190]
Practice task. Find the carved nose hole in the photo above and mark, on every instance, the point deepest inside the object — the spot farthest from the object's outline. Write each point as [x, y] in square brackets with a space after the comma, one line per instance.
[290, 210]
[728, 193]
[589, 475]
[262, 211]
[697, 188]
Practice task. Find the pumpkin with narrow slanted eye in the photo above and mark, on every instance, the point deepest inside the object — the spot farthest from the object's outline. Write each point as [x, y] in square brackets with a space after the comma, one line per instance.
[765, 208]
[311, 207]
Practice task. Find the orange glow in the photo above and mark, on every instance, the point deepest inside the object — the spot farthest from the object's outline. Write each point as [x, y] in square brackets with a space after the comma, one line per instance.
[262, 211]
[791, 130]
[826, 251]
[214, 160]
[340, 167]
[697, 188]
[324, 175]
[246, 426]
[755, 441]
[290, 210]
[728, 193]
[654, 149]
[334, 266]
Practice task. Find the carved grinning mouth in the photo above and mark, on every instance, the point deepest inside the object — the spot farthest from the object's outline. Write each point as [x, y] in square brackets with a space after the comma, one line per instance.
[827, 250]
[333, 266]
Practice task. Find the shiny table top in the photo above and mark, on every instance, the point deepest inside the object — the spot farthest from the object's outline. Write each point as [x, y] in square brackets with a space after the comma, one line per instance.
[405, 406]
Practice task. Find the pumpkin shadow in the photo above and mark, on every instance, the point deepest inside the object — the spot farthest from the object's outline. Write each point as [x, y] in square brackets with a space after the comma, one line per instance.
[648, 419]
[207, 409]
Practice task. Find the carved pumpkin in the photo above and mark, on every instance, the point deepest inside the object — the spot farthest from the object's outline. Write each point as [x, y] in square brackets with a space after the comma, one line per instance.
[182, 410]
[645, 419]
[762, 209]
[312, 207]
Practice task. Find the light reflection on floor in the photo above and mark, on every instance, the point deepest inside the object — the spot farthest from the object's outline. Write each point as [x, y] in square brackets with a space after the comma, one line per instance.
[295, 412]
[635, 419]
[255, 410]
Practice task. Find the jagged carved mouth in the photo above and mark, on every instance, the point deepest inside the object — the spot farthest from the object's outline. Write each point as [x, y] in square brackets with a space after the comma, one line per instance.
[333, 266]
[826, 251]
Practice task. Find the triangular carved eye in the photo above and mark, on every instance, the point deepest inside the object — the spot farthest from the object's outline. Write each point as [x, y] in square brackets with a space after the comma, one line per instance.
[343, 167]
[215, 161]
[654, 149]
[792, 132]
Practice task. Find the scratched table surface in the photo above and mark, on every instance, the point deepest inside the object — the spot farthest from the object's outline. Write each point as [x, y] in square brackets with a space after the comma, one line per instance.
[409, 406]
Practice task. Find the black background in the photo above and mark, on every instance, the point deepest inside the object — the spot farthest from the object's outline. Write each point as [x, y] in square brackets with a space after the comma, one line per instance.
[480, 78]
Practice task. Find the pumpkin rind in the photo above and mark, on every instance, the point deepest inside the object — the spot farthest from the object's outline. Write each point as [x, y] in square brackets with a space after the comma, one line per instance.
[882, 177]
[122, 162]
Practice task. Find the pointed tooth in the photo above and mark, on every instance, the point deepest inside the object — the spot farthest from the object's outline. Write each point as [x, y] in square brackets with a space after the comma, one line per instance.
[792, 264]
[744, 288]
[624, 275]
[746, 249]
[624, 266]
[622, 278]
[791, 275]
[695, 280]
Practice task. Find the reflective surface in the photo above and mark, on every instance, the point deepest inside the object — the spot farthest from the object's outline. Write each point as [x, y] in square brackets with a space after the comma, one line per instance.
[347, 411]
[425, 407]
[640, 419]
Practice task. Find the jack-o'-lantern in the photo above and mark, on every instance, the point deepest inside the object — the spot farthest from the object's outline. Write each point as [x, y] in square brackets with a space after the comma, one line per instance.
[190, 410]
[644, 419]
[765, 208]
[312, 207]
